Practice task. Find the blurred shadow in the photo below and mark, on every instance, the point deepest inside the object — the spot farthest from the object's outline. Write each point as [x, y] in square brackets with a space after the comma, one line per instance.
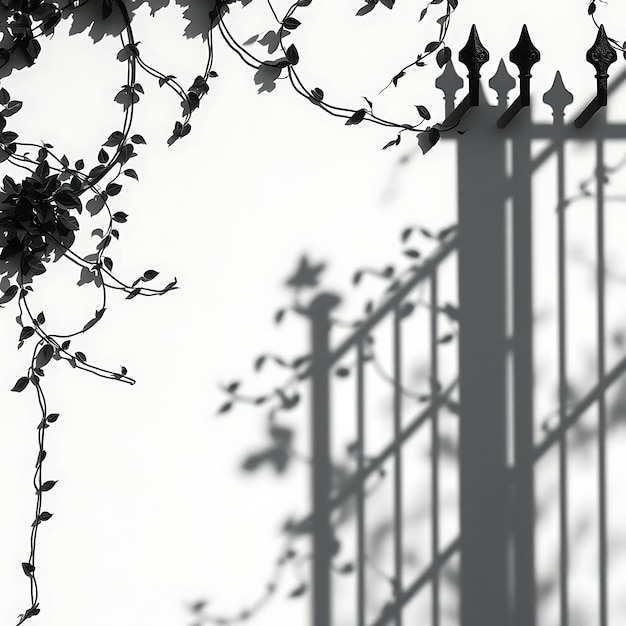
[496, 450]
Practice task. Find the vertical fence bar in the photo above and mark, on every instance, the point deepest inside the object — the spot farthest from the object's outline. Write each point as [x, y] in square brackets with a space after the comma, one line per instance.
[360, 496]
[562, 347]
[434, 506]
[319, 313]
[602, 502]
[523, 499]
[397, 431]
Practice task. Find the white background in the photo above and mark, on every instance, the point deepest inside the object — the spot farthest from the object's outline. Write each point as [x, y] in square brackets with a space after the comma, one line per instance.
[151, 511]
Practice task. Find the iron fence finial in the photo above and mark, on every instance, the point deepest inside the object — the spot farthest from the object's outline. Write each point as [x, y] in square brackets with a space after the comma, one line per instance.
[601, 55]
[524, 56]
[474, 55]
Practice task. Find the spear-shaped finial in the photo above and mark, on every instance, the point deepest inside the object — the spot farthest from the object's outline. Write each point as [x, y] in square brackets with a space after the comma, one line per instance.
[525, 55]
[601, 55]
[557, 98]
[473, 55]
[502, 82]
[449, 82]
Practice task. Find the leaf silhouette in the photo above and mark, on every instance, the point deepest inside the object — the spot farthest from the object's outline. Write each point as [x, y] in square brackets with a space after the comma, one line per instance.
[306, 275]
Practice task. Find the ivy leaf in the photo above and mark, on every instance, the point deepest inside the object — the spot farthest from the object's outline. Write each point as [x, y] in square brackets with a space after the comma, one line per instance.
[443, 56]
[44, 355]
[397, 77]
[48, 485]
[44, 516]
[150, 274]
[291, 23]
[138, 139]
[120, 217]
[115, 138]
[113, 189]
[356, 118]
[11, 108]
[21, 384]
[451, 311]
[292, 55]
[298, 591]
[131, 173]
[286, 401]
[423, 111]
[95, 205]
[412, 254]
[40, 457]
[442, 234]
[393, 142]
[317, 94]
[307, 275]
[53, 417]
[407, 309]
[198, 606]
[28, 569]
[225, 408]
[365, 9]
[103, 156]
[9, 294]
[27, 331]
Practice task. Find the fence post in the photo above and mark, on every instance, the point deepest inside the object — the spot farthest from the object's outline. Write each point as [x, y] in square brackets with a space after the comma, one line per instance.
[482, 189]
[321, 532]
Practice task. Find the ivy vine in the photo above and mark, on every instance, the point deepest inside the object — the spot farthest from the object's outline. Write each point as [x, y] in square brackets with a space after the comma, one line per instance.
[41, 213]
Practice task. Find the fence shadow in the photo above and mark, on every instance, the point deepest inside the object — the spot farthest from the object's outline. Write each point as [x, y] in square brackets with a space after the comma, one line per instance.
[497, 442]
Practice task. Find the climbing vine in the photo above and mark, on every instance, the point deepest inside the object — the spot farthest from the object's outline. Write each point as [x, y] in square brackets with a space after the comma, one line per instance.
[42, 212]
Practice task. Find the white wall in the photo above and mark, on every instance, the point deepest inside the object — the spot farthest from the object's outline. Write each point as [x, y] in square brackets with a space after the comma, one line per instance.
[151, 511]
